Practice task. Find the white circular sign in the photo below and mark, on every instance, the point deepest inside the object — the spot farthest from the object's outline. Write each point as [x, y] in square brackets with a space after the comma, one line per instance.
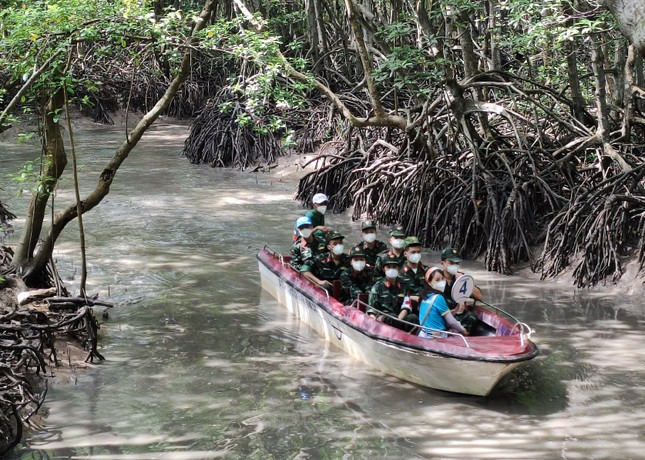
[462, 288]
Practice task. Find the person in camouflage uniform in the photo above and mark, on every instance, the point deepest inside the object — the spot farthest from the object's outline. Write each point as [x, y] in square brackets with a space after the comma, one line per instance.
[328, 266]
[413, 272]
[450, 259]
[397, 242]
[387, 296]
[306, 247]
[370, 245]
[358, 278]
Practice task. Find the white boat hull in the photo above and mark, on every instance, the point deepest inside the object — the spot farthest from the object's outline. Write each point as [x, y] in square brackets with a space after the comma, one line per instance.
[433, 370]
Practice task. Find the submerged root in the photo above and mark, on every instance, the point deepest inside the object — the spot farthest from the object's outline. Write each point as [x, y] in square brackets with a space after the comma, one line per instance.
[28, 348]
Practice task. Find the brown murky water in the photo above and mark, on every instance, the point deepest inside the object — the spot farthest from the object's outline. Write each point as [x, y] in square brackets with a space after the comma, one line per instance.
[201, 363]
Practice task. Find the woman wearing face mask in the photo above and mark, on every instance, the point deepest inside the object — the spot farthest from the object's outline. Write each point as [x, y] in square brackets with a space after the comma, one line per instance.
[356, 279]
[370, 245]
[387, 295]
[434, 314]
[450, 260]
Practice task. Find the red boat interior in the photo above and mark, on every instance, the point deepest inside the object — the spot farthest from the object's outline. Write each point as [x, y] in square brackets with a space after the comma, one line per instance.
[497, 335]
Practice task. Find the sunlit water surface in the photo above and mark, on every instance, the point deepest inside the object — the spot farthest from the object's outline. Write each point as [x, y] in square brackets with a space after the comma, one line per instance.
[201, 363]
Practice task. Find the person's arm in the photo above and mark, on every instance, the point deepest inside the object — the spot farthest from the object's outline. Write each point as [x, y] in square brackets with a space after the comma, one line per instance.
[311, 277]
[454, 324]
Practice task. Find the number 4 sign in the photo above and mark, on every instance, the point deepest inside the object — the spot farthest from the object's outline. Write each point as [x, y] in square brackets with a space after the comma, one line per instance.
[462, 288]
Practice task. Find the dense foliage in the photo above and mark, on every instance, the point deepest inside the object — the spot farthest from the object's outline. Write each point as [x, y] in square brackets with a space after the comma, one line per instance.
[508, 128]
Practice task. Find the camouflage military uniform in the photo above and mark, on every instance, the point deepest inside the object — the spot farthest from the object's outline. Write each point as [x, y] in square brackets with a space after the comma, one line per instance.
[413, 281]
[325, 268]
[354, 283]
[378, 267]
[303, 253]
[386, 297]
[371, 254]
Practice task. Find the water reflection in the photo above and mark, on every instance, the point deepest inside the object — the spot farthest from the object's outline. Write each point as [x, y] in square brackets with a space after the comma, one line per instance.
[201, 363]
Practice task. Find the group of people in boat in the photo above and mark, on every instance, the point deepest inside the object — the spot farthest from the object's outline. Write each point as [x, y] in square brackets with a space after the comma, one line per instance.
[402, 291]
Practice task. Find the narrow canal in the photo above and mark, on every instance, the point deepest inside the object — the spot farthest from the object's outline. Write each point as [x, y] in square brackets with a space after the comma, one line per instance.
[201, 363]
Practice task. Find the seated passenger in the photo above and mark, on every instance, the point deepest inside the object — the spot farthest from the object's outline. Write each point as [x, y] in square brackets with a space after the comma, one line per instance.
[434, 313]
[306, 247]
[397, 242]
[387, 296]
[413, 272]
[450, 259]
[358, 278]
[317, 217]
[328, 266]
[370, 245]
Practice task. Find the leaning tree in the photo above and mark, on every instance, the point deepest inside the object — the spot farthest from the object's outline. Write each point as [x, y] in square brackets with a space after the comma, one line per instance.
[51, 46]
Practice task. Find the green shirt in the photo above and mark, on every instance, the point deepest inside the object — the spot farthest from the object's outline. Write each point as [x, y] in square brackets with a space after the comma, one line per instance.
[317, 218]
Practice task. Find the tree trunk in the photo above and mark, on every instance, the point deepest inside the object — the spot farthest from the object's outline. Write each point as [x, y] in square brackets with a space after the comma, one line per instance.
[630, 15]
[26, 265]
[54, 163]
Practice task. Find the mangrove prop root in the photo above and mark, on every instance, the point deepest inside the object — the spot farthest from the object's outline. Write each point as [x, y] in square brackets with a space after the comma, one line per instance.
[27, 347]
[226, 134]
[539, 187]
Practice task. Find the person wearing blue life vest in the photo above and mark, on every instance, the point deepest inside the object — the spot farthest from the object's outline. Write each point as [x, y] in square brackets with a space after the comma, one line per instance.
[434, 314]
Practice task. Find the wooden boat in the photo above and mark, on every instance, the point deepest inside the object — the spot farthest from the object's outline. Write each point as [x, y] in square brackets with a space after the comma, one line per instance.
[471, 365]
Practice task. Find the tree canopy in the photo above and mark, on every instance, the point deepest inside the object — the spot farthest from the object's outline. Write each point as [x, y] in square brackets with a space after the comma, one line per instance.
[508, 128]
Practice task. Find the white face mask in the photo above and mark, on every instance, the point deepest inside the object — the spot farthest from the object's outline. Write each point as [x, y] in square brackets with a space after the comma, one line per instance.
[305, 232]
[453, 269]
[321, 209]
[439, 285]
[414, 258]
[359, 265]
[369, 237]
[338, 249]
[391, 273]
[398, 243]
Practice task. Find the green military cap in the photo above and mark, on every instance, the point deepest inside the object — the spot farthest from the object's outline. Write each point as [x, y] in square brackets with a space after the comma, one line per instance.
[334, 235]
[390, 260]
[450, 254]
[356, 251]
[397, 230]
[411, 241]
[368, 224]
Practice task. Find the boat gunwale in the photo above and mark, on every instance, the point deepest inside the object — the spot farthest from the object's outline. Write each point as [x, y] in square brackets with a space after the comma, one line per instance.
[353, 324]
